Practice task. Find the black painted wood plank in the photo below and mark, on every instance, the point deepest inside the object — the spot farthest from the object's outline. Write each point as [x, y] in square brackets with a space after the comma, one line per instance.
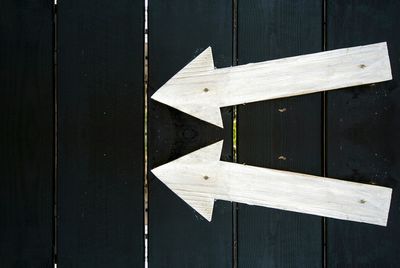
[363, 133]
[26, 133]
[179, 31]
[283, 134]
[101, 126]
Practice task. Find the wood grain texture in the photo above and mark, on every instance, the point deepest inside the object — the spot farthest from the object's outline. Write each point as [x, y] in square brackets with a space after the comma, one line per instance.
[363, 133]
[201, 90]
[200, 177]
[283, 133]
[26, 133]
[179, 31]
[101, 117]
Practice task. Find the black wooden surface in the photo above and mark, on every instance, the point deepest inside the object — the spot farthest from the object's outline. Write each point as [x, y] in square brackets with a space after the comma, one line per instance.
[26, 133]
[363, 133]
[100, 133]
[101, 117]
[179, 31]
[283, 134]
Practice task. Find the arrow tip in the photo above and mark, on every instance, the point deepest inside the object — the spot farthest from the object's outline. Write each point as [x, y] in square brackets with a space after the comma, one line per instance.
[189, 177]
[189, 92]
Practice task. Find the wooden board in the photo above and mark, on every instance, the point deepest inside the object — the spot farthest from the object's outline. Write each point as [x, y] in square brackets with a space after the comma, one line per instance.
[26, 135]
[200, 90]
[179, 31]
[200, 178]
[363, 133]
[283, 134]
[101, 117]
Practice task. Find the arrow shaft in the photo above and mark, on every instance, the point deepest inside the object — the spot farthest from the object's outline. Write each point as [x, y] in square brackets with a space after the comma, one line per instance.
[300, 193]
[307, 74]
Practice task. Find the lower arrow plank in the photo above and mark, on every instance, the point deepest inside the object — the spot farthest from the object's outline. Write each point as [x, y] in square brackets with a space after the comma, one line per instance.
[200, 177]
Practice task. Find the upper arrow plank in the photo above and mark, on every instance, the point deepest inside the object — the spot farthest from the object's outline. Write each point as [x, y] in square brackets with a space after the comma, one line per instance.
[200, 90]
[200, 177]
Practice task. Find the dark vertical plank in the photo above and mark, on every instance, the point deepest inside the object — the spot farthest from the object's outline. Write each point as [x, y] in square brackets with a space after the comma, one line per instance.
[363, 133]
[26, 133]
[283, 134]
[179, 31]
[101, 138]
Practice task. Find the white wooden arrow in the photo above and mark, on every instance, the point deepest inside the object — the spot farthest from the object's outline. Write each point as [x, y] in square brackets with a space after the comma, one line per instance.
[200, 177]
[200, 90]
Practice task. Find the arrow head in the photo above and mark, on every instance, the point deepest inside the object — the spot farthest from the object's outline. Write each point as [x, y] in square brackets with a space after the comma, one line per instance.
[189, 177]
[190, 92]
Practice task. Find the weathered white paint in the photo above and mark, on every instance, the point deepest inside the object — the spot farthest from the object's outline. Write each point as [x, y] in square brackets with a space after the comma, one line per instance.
[200, 90]
[200, 177]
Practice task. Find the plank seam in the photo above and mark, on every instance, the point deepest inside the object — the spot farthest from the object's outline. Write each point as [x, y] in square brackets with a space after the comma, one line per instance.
[145, 130]
[324, 133]
[55, 138]
[234, 133]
